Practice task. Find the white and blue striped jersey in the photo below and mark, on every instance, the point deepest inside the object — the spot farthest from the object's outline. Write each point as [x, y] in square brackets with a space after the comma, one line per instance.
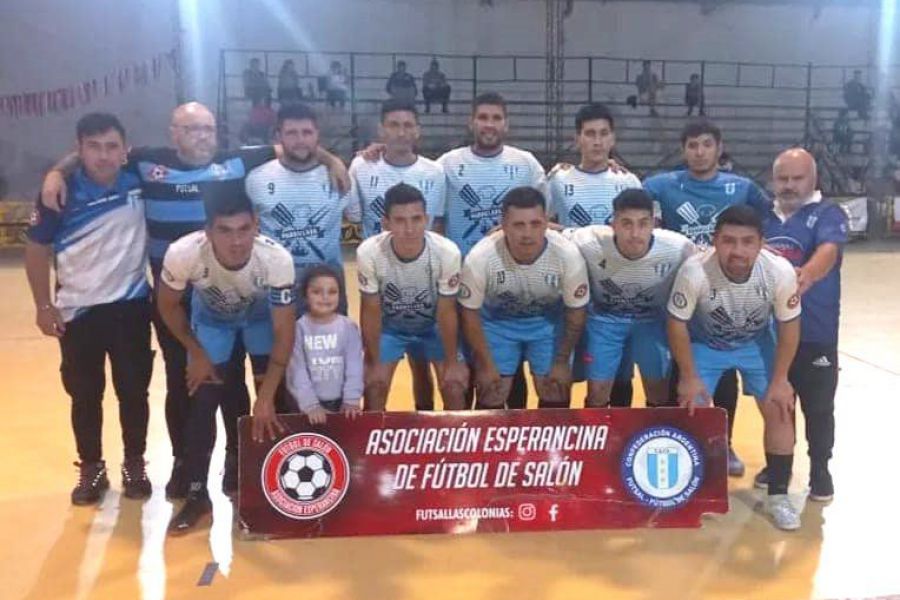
[301, 211]
[222, 295]
[632, 289]
[476, 186]
[579, 198]
[371, 180]
[99, 240]
[409, 289]
[724, 314]
[531, 294]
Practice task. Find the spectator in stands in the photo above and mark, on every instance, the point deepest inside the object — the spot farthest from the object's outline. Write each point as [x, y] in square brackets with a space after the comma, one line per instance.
[842, 133]
[401, 85]
[435, 87]
[289, 91]
[256, 84]
[857, 96]
[693, 95]
[260, 125]
[337, 86]
[648, 85]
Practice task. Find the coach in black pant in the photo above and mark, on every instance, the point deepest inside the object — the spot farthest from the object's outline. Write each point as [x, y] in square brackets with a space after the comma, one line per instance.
[811, 232]
[101, 306]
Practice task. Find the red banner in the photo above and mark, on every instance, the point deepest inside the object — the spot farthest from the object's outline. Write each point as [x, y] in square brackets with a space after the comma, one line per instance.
[485, 471]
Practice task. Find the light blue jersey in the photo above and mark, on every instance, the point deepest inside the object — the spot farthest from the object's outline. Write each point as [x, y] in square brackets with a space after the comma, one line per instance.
[476, 186]
[371, 180]
[579, 198]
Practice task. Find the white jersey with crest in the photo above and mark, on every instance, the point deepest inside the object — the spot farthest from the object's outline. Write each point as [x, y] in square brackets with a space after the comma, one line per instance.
[409, 289]
[476, 186]
[371, 180]
[625, 288]
[536, 292]
[724, 314]
[581, 198]
[221, 294]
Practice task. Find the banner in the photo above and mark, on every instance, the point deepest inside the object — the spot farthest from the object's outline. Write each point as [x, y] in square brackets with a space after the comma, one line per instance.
[484, 471]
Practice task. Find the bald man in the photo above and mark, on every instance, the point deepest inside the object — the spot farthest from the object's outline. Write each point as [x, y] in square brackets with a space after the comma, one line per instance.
[811, 232]
[177, 182]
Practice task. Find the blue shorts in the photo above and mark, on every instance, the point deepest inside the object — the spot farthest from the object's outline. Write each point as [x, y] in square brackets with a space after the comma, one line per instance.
[580, 369]
[426, 346]
[510, 342]
[754, 361]
[218, 338]
[616, 344]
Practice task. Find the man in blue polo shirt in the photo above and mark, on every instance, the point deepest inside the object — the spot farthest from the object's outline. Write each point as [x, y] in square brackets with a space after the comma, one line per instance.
[811, 232]
[690, 201]
[101, 303]
[175, 183]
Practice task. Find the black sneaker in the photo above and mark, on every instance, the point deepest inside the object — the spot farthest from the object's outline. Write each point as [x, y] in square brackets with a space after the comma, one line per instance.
[177, 488]
[196, 510]
[821, 487]
[230, 477]
[92, 483]
[134, 479]
[761, 481]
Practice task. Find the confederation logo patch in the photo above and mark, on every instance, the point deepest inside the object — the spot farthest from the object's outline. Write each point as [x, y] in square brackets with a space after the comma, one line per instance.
[793, 301]
[679, 300]
[305, 476]
[464, 291]
[662, 467]
[582, 290]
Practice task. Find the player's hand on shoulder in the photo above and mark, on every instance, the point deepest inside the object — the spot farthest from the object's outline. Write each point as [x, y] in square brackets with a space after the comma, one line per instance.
[616, 167]
[372, 152]
[53, 190]
[560, 167]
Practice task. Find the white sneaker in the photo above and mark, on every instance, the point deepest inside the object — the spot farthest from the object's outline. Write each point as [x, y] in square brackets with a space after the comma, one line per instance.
[784, 515]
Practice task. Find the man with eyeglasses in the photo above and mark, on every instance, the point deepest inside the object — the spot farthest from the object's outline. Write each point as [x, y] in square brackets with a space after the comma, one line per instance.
[175, 181]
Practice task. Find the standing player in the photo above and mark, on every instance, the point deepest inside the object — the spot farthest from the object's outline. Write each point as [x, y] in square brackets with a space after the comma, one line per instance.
[720, 318]
[478, 178]
[583, 195]
[243, 287]
[631, 267]
[398, 163]
[690, 201]
[176, 183]
[409, 279]
[523, 293]
[811, 232]
[296, 203]
[101, 303]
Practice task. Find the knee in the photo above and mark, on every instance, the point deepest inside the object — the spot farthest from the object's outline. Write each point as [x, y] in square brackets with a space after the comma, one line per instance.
[376, 396]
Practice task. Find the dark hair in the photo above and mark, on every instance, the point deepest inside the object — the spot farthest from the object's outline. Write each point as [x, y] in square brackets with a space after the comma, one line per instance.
[97, 123]
[400, 194]
[297, 112]
[742, 215]
[492, 98]
[228, 205]
[401, 63]
[700, 126]
[397, 104]
[523, 197]
[315, 272]
[633, 199]
[592, 112]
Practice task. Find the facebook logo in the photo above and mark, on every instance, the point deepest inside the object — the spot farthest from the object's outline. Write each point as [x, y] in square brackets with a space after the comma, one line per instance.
[554, 512]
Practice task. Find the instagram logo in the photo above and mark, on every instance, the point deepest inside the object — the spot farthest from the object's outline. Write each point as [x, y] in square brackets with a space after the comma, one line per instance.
[527, 512]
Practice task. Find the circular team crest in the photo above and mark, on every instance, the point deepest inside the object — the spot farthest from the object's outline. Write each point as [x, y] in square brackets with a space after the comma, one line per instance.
[662, 467]
[305, 476]
[679, 300]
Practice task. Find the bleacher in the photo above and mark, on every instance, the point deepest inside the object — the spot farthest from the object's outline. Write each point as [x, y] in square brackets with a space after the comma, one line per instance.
[761, 108]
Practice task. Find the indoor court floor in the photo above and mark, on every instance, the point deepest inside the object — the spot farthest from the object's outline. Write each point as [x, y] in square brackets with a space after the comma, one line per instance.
[847, 549]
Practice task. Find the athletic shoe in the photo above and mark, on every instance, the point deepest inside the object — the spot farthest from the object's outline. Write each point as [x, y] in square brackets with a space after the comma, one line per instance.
[177, 488]
[230, 477]
[196, 509]
[134, 479]
[761, 480]
[783, 514]
[821, 487]
[92, 483]
[735, 464]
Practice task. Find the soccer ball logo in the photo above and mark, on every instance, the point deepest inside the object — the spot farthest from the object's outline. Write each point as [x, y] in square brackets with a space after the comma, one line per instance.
[305, 476]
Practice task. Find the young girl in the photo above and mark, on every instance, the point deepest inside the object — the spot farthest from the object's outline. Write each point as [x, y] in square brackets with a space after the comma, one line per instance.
[325, 373]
